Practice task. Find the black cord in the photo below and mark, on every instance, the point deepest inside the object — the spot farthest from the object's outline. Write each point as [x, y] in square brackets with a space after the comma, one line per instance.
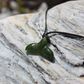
[45, 31]
[69, 35]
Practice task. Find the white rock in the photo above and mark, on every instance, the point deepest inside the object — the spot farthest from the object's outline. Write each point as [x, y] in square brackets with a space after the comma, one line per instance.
[18, 31]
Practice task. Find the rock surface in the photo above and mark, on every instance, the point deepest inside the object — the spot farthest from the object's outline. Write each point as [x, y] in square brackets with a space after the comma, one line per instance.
[18, 31]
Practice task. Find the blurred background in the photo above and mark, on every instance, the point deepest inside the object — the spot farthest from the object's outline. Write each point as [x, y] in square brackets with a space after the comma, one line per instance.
[13, 7]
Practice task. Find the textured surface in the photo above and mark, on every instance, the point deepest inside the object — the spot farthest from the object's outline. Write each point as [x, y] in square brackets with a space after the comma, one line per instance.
[18, 31]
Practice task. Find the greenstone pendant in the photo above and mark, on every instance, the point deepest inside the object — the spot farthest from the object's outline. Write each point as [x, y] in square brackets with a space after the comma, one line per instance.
[41, 49]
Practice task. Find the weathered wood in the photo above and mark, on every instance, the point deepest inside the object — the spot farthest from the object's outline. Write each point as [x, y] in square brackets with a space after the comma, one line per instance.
[18, 31]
